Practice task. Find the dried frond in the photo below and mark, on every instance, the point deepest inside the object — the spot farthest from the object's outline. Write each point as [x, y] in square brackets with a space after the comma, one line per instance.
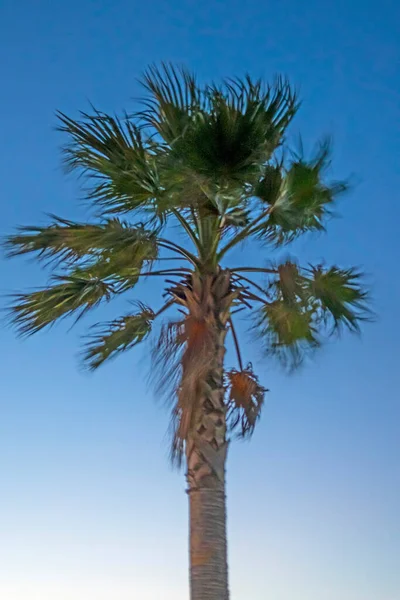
[181, 362]
[186, 348]
[246, 398]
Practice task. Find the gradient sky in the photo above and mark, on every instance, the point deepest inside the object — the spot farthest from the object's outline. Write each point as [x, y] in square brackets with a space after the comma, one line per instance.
[89, 507]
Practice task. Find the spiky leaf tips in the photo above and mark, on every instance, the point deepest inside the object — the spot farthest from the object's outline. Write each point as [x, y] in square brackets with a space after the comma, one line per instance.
[75, 293]
[71, 242]
[341, 297]
[298, 196]
[109, 339]
[118, 162]
[306, 303]
[174, 188]
[286, 321]
[238, 130]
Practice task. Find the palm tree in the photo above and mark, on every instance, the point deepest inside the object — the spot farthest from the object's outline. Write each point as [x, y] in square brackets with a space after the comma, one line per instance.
[212, 161]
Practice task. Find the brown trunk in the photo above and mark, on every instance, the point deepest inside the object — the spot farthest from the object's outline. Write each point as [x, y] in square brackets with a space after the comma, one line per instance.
[208, 547]
[206, 451]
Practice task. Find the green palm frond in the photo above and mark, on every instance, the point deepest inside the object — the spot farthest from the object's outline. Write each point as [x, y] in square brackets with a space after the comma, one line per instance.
[287, 331]
[298, 196]
[61, 239]
[269, 187]
[334, 296]
[221, 132]
[119, 163]
[112, 248]
[306, 305]
[286, 323]
[174, 100]
[277, 103]
[228, 145]
[114, 337]
[290, 283]
[79, 292]
[341, 296]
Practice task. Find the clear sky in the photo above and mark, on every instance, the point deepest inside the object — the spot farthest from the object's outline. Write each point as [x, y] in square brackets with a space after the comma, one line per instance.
[89, 507]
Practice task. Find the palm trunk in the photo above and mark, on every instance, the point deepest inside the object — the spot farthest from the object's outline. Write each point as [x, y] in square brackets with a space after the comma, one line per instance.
[208, 545]
[201, 424]
[206, 452]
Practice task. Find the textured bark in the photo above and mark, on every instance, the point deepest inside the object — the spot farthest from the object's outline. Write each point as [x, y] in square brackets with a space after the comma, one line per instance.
[208, 546]
[206, 450]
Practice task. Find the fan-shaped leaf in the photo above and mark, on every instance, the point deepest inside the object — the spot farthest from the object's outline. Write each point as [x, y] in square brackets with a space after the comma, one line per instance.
[268, 189]
[287, 331]
[113, 155]
[111, 249]
[308, 303]
[302, 200]
[174, 100]
[342, 298]
[79, 292]
[238, 133]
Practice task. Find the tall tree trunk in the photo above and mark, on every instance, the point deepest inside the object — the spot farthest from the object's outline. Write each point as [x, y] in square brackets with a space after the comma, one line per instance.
[208, 543]
[206, 451]
[201, 424]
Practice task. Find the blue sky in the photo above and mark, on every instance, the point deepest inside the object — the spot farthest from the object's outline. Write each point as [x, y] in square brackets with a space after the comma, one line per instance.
[89, 507]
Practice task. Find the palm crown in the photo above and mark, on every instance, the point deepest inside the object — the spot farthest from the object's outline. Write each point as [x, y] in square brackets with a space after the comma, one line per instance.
[212, 160]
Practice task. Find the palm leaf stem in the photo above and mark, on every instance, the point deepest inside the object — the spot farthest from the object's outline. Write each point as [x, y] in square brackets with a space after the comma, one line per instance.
[249, 230]
[236, 344]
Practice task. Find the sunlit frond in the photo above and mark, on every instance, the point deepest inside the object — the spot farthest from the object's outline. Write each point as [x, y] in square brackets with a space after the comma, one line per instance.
[111, 338]
[336, 297]
[77, 293]
[289, 283]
